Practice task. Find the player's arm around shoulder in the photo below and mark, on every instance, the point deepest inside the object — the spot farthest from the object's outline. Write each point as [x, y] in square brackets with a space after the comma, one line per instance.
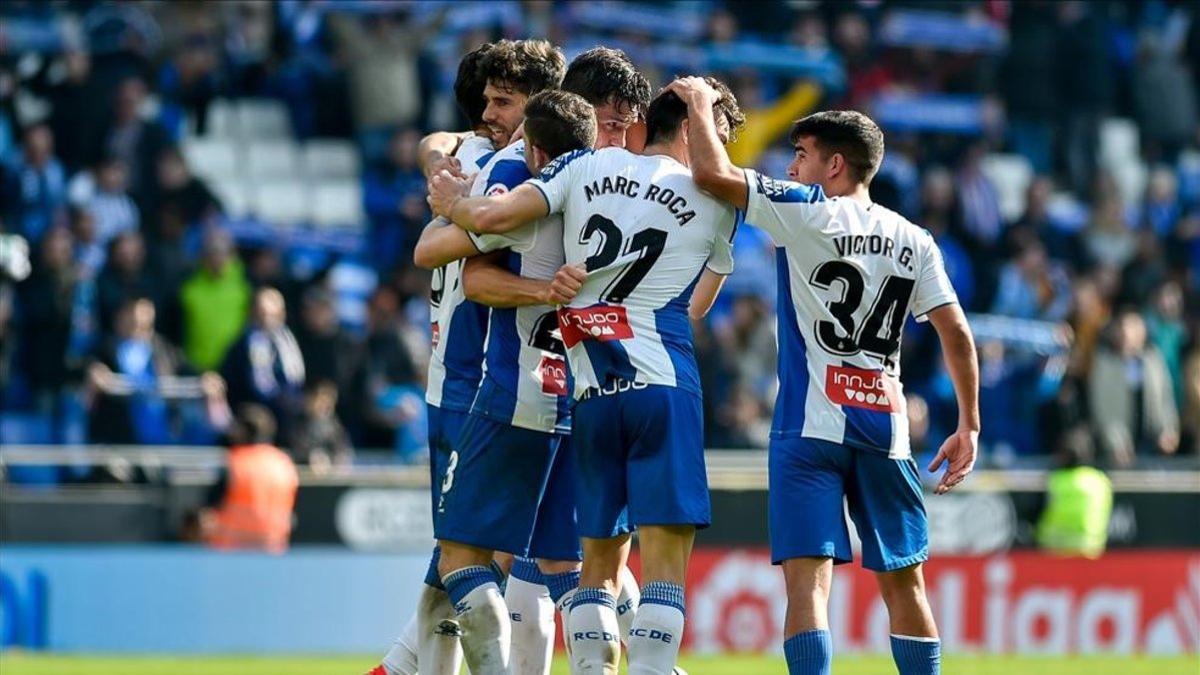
[958, 350]
[487, 282]
[710, 165]
[442, 243]
[496, 214]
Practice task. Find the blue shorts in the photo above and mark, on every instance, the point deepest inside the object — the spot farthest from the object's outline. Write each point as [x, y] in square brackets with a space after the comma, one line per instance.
[494, 484]
[556, 531]
[808, 480]
[444, 426]
[640, 461]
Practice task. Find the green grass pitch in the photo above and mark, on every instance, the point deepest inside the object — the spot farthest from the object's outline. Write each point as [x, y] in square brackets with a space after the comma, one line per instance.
[29, 664]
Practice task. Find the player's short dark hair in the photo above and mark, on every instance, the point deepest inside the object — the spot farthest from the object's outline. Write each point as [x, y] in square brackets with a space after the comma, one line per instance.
[469, 84]
[667, 112]
[254, 423]
[604, 75]
[527, 66]
[857, 137]
[558, 121]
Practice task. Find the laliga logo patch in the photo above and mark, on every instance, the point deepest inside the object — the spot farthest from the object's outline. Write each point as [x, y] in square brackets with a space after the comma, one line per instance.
[860, 388]
[497, 189]
[553, 373]
[437, 335]
[603, 323]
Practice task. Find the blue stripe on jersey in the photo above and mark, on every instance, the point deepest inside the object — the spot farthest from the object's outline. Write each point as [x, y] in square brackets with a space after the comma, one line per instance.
[788, 192]
[503, 354]
[793, 358]
[870, 429]
[464, 356]
[484, 159]
[675, 328]
[553, 168]
[507, 172]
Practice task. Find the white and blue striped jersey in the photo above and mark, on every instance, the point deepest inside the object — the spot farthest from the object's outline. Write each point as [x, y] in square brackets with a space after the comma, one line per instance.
[849, 276]
[524, 364]
[645, 232]
[457, 325]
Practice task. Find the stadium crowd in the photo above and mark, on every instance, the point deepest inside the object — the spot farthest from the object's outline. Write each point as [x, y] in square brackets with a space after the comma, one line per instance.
[148, 313]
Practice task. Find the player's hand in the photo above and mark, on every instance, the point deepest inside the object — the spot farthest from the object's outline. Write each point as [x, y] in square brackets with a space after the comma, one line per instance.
[444, 190]
[566, 284]
[440, 163]
[959, 453]
[694, 91]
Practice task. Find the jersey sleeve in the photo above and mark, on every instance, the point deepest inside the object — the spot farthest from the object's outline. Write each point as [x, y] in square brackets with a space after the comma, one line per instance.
[557, 178]
[520, 239]
[933, 284]
[779, 206]
[720, 260]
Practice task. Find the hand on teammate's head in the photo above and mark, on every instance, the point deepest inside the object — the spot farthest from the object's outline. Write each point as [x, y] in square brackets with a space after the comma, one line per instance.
[444, 189]
[692, 88]
[445, 163]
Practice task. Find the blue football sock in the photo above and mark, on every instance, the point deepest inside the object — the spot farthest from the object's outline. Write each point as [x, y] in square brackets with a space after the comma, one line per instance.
[809, 653]
[917, 655]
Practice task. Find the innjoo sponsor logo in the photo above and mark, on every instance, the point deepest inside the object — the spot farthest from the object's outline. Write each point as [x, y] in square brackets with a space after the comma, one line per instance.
[553, 373]
[603, 323]
[861, 388]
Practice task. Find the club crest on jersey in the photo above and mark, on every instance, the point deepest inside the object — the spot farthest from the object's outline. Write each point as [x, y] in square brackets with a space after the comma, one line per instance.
[603, 323]
[497, 189]
[861, 388]
[436, 334]
[553, 373]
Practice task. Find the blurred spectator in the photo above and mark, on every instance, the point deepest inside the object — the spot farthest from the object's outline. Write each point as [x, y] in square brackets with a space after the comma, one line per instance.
[128, 374]
[1161, 211]
[381, 51]
[1109, 241]
[265, 366]
[939, 216]
[124, 278]
[981, 222]
[1028, 82]
[48, 308]
[1090, 314]
[1164, 325]
[182, 198]
[1035, 224]
[319, 440]
[1164, 98]
[35, 193]
[388, 382]
[104, 192]
[187, 83]
[1131, 400]
[214, 302]
[135, 141]
[73, 101]
[90, 254]
[1085, 84]
[250, 507]
[1078, 501]
[330, 355]
[1033, 287]
[394, 196]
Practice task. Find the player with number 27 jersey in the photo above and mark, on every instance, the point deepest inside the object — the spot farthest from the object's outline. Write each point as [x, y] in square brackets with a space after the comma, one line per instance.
[855, 272]
[645, 233]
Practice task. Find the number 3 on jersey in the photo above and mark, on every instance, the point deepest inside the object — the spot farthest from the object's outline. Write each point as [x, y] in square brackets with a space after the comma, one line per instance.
[880, 332]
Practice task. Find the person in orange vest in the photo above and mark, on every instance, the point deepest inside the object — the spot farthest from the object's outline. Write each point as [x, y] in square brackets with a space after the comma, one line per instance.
[255, 495]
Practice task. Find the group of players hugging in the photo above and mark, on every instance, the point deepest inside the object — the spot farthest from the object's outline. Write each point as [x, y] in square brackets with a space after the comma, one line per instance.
[580, 225]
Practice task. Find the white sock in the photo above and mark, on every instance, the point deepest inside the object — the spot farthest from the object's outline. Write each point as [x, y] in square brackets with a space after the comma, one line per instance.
[562, 591]
[401, 659]
[595, 648]
[438, 648]
[563, 606]
[657, 630]
[627, 602]
[483, 616]
[532, 614]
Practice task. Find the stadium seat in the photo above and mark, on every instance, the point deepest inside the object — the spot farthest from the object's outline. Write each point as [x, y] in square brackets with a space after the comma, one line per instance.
[337, 205]
[326, 158]
[272, 160]
[263, 118]
[212, 158]
[235, 195]
[281, 202]
[1011, 175]
[222, 120]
